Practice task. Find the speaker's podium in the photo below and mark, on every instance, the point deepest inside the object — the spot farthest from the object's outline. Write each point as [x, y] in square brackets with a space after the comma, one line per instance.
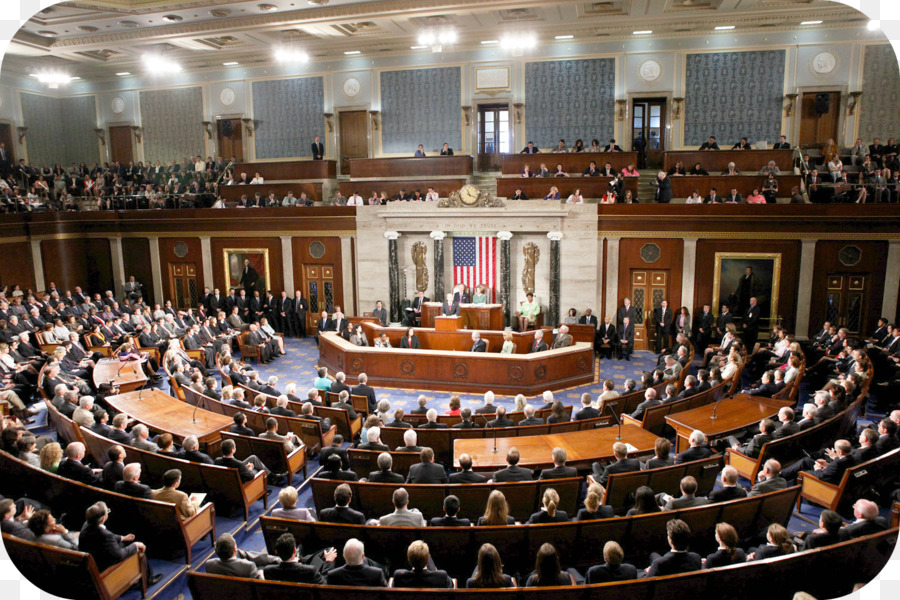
[451, 323]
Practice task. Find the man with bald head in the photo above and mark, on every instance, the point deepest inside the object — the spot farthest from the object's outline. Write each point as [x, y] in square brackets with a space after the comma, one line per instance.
[867, 521]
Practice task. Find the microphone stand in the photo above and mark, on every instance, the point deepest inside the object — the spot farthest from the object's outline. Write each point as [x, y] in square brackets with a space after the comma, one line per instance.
[618, 421]
[484, 416]
[716, 407]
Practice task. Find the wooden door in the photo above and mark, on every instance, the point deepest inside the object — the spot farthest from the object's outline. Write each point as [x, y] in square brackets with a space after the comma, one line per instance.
[354, 137]
[648, 119]
[816, 128]
[183, 288]
[493, 135]
[649, 287]
[121, 148]
[318, 283]
[230, 138]
[847, 301]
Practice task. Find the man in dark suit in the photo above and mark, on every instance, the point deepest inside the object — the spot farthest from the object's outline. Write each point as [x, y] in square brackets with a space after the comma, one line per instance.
[431, 421]
[753, 448]
[318, 149]
[587, 411]
[662, 317]
[297, 314]
[106, 547]
[339, 385]
[501, 420]
[341, 511]
[782, 144]
[766, 386]
[451, 509]
[398, 420]
[623, 464]
[750, 324]
[559, 470]
[730, 489]
[72, 467]
[290, 568]
[363, 389]
[131, 485]
[247, 468]
[538, 345]
[267, 349]
[650, 400]
[465, 474]
[384, 474]
[373, 440]
[710, 144]
[344, 404]
[697, 450]
[355, 572]
[513, 472]
[588, 318]
[786, 424]
[426, 471]
[488, 408]
[189, 451]
[867, 521]
[724, 319]
[626, 339]
[414, 312]
[606, 338]
[114, 471]
[887, 436]
[324, 324]
[478, 344]
[663, 188]
[678, 559]
[420, 576]
[530, 419]
[702, 330]
[335, 448]
[240, 426]
[450, 307]
[626, 310]
[332, 470]
[340, 325]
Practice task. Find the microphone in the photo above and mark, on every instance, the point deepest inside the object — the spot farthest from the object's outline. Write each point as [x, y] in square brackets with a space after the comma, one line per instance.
[484, 416]
[718, 402]
[194, 414]
[618, 421]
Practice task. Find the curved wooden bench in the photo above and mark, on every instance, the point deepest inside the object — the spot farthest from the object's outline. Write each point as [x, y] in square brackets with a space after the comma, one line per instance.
[516, 416]
[363, 462]
[579, 543]
[823, 572]
[856, 479]
[73, 574]
[223, 484]
[157, 524]
[270, 452]
[523, 497]
[654, 419]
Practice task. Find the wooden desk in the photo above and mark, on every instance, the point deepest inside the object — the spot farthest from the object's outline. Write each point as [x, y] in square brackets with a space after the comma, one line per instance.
[447, 323]
[717, 160]
[682, 187]
[733, 415]
[161, 412]
[127, 375]
[392, 187]
[288, 170]
[514, 164]
[233, 193]
[582, 448]
[454, 368]
[474, 316]
[410, 167]
[538, 187]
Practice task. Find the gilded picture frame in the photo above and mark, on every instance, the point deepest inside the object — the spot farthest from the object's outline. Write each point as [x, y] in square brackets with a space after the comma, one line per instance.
[234, 266]
[730, 268]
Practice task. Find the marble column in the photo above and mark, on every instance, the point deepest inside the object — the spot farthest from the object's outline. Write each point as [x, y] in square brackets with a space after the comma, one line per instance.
[688, 269]
[37, 261]
[889, 301]
[347, 269]
[438, 237]
[503, 296]
[393, 275]
[156, 269]
[804, 294]
[287, 266]
[118, 266]
[206, 255]
[553, 309]
[612, 276]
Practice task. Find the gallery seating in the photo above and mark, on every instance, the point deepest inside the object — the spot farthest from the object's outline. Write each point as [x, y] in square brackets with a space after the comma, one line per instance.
[855, 481]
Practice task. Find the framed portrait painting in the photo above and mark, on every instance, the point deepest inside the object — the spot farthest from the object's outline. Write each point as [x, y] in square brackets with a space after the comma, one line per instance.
[738, 276]
[247, 268]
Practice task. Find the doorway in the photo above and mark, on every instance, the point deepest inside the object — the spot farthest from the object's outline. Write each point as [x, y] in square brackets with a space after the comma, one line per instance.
[354, 138]
[318, 281]
[230, 139]
[121, 149]
[648, 121]
[847, 300]
[648, 290]
[183, 285]
[493, 135]
[819, 116]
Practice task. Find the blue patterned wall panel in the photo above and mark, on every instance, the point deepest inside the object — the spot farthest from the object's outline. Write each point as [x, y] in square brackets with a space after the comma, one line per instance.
[420, 106]
[289, 114]
[732, 95]
[172, 123]
[60, 130]
[880, 103]
[570, 99]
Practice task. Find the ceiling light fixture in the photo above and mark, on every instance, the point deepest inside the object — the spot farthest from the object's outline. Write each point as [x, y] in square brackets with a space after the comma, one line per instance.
[519, 42]
[53, 79]
[436, 38]
[811, 23]
[160, 65]
[291, 55]
[643, 32]
[489, 42]
[123, 74]
[724, 27]
[232, 63]
[417, 47]
[564, 37]
[352, 52]
[873, 25]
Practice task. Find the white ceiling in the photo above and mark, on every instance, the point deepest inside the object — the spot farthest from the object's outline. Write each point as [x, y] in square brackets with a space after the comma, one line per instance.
[95, 39]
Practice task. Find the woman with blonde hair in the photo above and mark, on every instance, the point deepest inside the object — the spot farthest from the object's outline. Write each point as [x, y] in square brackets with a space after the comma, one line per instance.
[497, 511]
[593, 505]
[50, 455]
[779, 544]
[520, 403]
[289, 510]
[508, 346]
[549, 512]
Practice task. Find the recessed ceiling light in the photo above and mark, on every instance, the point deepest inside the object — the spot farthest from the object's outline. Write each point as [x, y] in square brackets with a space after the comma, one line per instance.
[811, 23]
[417, 47]
[724, 27]
[288, 55]
[564, 37]
[172, 18]
[267, 7]
[873, 25]
[76, 78]
[46, 33]
[352, 52]
[129, 24]
[123, 74]
[488, 42]
[230, 63]
[643, 32]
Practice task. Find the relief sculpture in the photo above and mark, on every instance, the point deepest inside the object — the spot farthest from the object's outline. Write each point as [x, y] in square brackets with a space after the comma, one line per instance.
[419, 250]
[532, 256]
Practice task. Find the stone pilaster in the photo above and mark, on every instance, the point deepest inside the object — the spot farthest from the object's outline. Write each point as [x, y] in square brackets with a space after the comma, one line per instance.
[503, 297]
[393, 275]
[553, 309]
[438, 237]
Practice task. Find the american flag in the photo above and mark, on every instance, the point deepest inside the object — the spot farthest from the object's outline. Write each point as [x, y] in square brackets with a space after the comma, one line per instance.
[475, 263]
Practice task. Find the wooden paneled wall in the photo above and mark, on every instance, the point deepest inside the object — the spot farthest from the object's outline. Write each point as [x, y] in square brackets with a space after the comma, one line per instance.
[17, 266]
[136, 259]
[69, 262]
[273, 245]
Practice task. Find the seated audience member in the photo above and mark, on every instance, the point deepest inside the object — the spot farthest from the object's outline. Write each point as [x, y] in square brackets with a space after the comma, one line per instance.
[867, 521]
[170, 493]
[826, 534]
[451, 509]
[332, 470]
[106, 547]
[14, 525]
[650, 400]
[623, 464]
[402, 516]
[730, 490]
[530, 419]
[287, 497]
[384, 474]
[240, 426]
[341, 511]
[549, 512]
[355, 572]
[688, 498]
[644, 502]
[420, 577]
[466, 475]
[410, 438]
[501, 420]
[778, 543]
[373, 440]
[247, 468]
[426, 471]
[698, 448]
[613, 569]
[422, 408]
[728, 553]
[72, 467]
[678, 559]
[496, 511]
[234, 562]
[130, 484]
[770, 479]
[753, 448]
[431, 421]
[290, 568]
[593, 505]
[587, 410]
[489, 571]
[547, 570]
[512, 472]
[48, 532]
[399, 422]
[559, 470]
